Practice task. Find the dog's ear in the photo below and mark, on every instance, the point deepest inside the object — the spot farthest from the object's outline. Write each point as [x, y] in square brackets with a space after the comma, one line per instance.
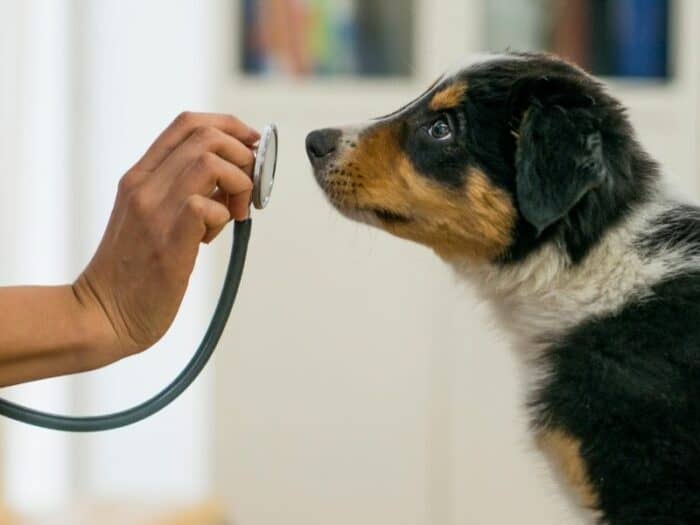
[559, 158]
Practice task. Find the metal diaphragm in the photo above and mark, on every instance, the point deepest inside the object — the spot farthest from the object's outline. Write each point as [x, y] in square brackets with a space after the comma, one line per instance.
[265, 167]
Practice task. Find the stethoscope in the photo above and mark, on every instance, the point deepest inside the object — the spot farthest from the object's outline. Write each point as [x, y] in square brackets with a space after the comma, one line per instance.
[263, 180]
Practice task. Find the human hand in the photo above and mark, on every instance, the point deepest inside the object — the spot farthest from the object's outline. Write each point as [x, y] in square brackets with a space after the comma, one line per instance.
[192, 181]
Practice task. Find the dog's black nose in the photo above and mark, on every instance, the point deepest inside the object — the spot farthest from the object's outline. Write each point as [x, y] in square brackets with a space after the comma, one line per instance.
[320, 144]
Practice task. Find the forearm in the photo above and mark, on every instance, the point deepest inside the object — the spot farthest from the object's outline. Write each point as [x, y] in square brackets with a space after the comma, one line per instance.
[47, 332]
[191, 182]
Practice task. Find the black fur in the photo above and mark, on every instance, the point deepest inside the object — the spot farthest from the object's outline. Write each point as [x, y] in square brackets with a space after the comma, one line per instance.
[486, 127]
[677, 229]
[554, 140]
[628, 387]
[508, 89]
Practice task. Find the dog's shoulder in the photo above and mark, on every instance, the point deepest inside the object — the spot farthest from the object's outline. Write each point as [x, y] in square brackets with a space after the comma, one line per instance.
[625, 389]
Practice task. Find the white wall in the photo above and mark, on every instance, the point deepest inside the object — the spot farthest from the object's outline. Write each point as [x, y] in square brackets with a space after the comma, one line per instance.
[35, 219]
[86, 86]
[141, 63]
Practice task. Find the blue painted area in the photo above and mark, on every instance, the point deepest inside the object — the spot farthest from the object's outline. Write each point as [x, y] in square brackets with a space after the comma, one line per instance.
[640, 38]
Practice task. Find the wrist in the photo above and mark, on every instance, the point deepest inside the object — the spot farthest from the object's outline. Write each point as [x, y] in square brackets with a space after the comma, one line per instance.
[98, 344]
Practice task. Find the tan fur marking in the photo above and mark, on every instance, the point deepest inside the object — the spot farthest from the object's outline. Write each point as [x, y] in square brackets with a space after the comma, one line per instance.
[491, 214]
[475, 221]
[449, 97]
[565, 452]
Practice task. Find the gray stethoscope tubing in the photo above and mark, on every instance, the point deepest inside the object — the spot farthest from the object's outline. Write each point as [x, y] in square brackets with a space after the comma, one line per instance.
[263, 177]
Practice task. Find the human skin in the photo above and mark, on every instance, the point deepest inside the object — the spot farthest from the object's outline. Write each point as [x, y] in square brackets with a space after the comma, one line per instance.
[193, 180]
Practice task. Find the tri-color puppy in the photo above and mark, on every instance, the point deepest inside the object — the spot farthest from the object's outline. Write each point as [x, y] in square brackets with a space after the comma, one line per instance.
[525, 175]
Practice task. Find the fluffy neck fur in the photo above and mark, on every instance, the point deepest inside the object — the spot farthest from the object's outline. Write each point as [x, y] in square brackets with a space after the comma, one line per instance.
[541, 297]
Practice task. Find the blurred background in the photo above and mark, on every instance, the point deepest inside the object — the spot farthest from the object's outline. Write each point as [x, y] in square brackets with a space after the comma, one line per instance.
[358, 382]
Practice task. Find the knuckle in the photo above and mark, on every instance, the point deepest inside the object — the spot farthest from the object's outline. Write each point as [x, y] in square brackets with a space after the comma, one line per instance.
[206, 163]
[248, 158]
[206, 135]
[235, 122]
[185, 119]
[233, 119]
[127, 184]
[194, 205]
[246, 184]
[140, 203]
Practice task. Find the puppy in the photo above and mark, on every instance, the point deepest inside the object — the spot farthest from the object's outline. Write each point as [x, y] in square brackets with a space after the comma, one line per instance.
[525, 176]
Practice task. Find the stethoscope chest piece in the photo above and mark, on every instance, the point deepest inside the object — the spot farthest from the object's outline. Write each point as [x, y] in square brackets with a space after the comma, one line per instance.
[265, 167]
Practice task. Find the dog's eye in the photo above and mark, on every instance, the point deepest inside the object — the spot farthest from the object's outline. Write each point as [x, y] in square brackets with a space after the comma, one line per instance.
[440, 129]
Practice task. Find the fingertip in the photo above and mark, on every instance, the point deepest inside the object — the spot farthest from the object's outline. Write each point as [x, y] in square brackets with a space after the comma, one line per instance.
[243, 131]
[241, 215]
[210, 236]
[240, 212]
[253, 137]
[239, 206]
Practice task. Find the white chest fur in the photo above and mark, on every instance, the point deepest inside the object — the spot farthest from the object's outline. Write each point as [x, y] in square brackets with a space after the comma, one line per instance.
[546, 294]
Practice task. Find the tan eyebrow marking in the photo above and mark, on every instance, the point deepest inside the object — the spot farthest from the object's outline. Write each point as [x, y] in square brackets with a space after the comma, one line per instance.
[449, 97]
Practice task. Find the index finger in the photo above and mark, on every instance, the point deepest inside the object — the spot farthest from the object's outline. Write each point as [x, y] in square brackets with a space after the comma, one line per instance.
[184, 125]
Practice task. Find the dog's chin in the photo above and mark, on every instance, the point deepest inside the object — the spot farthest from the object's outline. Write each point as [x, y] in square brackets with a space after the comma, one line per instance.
[361, 216]
[372, 216]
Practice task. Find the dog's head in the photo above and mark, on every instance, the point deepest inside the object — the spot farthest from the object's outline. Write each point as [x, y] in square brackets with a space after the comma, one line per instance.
[490, 162]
